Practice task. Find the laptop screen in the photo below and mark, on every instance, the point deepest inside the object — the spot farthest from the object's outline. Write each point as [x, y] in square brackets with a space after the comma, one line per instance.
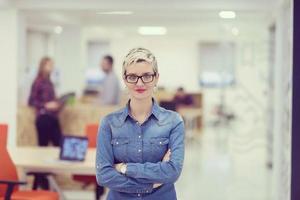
[73, 148]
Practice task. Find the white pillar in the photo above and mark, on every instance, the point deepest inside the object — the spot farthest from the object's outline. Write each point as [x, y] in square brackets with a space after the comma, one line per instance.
[282, 104]
[9, 40]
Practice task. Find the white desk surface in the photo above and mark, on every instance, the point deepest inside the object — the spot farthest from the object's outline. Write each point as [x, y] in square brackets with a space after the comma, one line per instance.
[46, 159]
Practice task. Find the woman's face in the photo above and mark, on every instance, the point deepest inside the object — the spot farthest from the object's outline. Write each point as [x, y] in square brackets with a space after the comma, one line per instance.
[140, 90]
[48, 67]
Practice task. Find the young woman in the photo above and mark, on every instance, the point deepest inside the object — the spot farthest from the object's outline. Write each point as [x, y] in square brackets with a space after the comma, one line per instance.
[140, 148]
[43, 99]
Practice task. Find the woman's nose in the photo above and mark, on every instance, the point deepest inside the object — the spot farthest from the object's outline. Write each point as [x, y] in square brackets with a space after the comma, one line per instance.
[140, 82]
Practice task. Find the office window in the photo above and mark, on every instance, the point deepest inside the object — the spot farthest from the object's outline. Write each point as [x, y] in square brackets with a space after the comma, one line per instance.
[217, 64]
[95, 51]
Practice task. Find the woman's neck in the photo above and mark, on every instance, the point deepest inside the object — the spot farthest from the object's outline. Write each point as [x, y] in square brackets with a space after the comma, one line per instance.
[140, 109]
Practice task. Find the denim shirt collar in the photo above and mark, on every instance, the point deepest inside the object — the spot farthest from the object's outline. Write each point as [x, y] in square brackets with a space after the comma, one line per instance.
[155, 111]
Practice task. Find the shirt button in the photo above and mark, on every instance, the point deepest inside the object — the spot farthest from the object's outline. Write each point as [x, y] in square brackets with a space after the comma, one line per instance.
[117, 142]
[160, 142]
[140, 150]
[140, 136]
[139, 195]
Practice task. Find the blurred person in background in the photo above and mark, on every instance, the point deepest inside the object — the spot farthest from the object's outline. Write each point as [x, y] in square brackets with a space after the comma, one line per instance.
[181, 98]
[42, 98]
[140, 148]
[110, 90]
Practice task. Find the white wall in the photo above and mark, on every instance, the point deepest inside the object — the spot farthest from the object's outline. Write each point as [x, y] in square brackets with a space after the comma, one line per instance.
[178, 55]
[37, 47]
[177, 58]
[96, 50]
[68, 59]
[9, 40]
[65, 49]
[34, 47]
[4, 3]
[282, 103]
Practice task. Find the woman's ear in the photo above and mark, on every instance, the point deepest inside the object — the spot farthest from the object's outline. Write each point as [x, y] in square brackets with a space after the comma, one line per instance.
[124, 78]
[157, 78]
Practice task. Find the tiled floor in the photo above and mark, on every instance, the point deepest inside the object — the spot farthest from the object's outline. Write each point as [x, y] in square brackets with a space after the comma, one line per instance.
[221, 165]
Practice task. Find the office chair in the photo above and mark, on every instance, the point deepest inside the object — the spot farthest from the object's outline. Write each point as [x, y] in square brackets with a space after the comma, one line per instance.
[91, 131]
[9, 181]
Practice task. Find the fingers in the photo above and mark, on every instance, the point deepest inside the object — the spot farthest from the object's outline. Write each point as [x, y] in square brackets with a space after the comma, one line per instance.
[167, 156]
[118, 166]
[156, 185]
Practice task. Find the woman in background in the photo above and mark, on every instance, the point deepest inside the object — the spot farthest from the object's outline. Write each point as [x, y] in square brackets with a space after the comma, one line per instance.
[43, 99]
[140, 148]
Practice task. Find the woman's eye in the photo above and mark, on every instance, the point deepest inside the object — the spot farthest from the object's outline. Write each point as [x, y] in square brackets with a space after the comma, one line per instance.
[147, 76]
[132, 78]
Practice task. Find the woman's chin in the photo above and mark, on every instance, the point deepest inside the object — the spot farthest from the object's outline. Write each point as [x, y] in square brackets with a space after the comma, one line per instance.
[141, 96]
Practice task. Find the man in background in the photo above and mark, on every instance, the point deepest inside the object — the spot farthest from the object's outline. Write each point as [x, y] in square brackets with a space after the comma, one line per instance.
[110, 90]
[181, 98]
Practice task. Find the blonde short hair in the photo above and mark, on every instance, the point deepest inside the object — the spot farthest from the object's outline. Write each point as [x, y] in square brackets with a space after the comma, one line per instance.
[137, 55]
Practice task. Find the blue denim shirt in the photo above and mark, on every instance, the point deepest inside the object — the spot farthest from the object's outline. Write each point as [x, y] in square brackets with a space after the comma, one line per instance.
[142, 147]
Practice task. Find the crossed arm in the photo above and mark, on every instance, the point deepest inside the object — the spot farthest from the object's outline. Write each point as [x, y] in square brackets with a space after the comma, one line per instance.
[138, 177]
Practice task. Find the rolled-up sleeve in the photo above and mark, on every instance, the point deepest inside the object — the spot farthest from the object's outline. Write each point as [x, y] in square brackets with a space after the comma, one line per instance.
[106, 174]
[162, 172]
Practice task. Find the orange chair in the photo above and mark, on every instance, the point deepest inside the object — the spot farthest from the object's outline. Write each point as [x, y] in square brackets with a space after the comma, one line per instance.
[9, 180]
[91, 131]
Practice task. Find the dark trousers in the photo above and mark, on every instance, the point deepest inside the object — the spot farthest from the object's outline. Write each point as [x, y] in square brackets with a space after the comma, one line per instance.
[99, 191]
[48, 130]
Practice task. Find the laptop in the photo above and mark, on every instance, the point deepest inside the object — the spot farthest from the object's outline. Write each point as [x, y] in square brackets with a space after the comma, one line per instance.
[73, 148]
[64, 98]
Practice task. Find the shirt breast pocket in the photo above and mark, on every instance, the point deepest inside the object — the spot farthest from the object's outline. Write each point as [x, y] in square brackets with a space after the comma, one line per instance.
[159, 147]
[120, 149]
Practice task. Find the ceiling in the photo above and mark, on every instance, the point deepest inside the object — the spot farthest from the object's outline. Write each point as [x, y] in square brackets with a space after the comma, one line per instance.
[170, 13]
[243, 5]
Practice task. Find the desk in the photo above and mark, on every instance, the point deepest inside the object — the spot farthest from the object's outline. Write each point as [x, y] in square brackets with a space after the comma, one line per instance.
[192, 118]
[46, 159]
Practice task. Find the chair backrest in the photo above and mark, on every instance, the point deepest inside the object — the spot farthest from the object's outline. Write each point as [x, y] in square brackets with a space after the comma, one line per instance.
[8, 170]
[91, 131]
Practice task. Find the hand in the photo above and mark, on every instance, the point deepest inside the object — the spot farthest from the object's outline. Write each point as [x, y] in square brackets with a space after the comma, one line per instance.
[119, 166]
[52, 105]
[167, 156]
[156, 185]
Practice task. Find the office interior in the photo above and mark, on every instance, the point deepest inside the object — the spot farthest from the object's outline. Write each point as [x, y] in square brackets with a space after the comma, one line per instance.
[233, 58]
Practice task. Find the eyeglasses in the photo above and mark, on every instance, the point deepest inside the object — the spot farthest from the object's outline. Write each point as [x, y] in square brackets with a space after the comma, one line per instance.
[133, 78]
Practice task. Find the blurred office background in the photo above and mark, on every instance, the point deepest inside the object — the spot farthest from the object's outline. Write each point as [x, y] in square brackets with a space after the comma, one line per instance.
[233, 57]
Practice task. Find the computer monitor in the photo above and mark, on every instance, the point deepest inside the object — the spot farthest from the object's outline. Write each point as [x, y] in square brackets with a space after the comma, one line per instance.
[73, 148]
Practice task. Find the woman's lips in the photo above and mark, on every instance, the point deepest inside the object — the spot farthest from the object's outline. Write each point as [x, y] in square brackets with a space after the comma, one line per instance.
[140, 90]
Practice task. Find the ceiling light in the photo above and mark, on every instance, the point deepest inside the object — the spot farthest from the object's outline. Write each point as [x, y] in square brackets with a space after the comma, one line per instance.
[58, 30]
[152, 30]
[227, 14]
[115, 13]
